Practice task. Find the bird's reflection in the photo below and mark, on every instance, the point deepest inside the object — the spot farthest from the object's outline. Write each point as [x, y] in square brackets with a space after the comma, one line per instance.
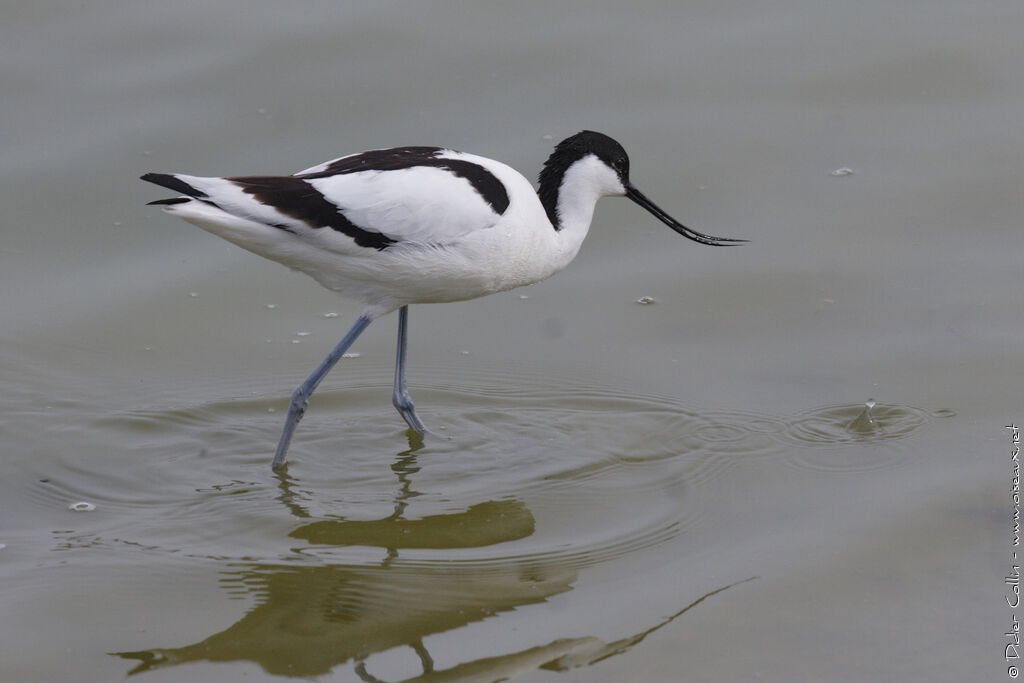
[310, 619]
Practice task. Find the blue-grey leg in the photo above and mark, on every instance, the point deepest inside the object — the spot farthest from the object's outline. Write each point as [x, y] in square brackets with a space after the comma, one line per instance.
[401, 399]
[300, 399]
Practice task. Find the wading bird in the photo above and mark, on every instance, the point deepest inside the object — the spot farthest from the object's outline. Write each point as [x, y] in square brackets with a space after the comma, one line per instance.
[413, 225]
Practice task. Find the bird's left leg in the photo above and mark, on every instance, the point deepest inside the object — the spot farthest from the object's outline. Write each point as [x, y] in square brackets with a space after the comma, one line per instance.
[300, 398]
[401, 399]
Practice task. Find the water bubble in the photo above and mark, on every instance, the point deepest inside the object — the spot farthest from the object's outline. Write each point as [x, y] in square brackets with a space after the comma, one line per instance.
[330, 315]
[271, 306]
[193, 294]
[646, 300]
[302, 334]
[840, 172]
[296, 341]
[81, 506]
[351, 354]
[524, 296]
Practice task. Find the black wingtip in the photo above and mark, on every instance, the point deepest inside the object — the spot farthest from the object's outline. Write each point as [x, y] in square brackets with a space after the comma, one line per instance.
[172, 182]
[172, 200]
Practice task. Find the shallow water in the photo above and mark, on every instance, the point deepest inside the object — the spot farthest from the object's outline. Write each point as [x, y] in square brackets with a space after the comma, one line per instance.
[687, 488]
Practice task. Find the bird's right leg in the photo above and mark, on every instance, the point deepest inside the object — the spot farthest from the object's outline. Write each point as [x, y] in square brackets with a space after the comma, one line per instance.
[401, 398]
[301, 396]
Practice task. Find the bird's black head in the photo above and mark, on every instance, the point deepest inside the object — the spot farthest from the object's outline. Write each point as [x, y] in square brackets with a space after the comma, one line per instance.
[600, 145]
[569, 151]
[610, 153]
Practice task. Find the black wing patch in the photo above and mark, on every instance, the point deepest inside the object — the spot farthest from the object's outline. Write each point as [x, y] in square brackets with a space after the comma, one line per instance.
[482, 180]
[396, 158]
[293, 196]
[378, 160]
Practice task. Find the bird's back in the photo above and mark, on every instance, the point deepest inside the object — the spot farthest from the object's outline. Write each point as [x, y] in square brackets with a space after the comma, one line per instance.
[410, 223]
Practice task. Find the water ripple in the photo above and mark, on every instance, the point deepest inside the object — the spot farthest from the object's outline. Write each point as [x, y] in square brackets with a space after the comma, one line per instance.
[568, 473]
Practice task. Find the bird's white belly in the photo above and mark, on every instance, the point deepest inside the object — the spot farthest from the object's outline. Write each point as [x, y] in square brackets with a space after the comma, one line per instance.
[421, 273]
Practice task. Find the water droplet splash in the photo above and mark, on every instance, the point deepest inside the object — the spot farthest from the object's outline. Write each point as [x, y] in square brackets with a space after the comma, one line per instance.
[81, 506]
[865, 422]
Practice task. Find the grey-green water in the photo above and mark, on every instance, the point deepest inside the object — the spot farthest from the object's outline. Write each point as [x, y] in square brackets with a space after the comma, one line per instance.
[685, 490]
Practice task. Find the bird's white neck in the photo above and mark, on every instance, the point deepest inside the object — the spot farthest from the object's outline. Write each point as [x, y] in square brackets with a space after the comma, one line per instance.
[583, 183]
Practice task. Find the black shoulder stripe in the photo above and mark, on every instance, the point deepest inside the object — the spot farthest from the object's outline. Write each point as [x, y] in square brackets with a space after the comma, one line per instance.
[293, 196]
[483, 181]
[378, 160]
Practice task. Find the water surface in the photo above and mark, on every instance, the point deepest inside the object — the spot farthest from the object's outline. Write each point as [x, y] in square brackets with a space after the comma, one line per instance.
[683, 489]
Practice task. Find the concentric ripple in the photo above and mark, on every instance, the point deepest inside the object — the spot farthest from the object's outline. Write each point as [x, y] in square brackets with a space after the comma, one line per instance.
[568, 474]
[852, 438]
[603, 472]
[854, 424]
